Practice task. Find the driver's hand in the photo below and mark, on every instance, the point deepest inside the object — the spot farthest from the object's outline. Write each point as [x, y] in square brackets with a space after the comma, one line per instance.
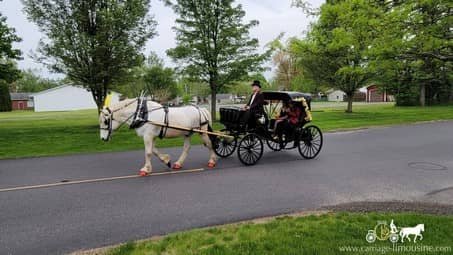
[246, 107]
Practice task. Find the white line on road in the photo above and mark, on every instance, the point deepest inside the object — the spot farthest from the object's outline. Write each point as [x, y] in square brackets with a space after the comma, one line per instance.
[97, 180]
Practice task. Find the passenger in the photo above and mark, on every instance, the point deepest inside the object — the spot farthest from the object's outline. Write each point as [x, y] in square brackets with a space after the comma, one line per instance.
[281, 117]
[287, 123]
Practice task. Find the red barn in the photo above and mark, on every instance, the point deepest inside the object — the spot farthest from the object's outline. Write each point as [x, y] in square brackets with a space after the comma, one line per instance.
[21, 101]
[374, 94]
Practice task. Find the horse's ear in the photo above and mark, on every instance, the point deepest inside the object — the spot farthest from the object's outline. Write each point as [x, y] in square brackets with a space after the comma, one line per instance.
[107, 100]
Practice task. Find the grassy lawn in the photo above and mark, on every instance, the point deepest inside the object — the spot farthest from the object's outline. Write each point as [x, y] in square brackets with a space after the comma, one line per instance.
[378, 115]
[26, 134]
[333, 233]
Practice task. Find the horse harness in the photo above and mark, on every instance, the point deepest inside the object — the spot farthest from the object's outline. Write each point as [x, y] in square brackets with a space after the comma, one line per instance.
[164, 128]
[141, 117]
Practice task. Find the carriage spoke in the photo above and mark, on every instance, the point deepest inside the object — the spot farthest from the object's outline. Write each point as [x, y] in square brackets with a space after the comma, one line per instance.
[315, 144]
[252, 157]
[307, 148]
[312, 142]
[246, 157]
[223, 148]
[250, 149]
[312, 151]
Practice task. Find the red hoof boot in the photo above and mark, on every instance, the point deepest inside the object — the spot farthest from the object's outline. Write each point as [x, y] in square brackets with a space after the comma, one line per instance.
[177, 166]
[143, 173]
[211, 164]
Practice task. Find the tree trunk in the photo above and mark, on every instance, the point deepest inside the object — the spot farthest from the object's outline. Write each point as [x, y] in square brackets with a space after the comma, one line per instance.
[213, 103]
[5, 97]
[451, 93]
[422, 94]
[350, 99]
[98, 99]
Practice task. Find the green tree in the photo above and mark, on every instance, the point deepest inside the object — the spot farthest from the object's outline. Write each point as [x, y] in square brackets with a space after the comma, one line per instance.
[187, 86]
[31, 82]
[152, 77]
[413, 54]
[286, 63]
[8, 69]
[133, 83]
[213, 43]
[160, 82]
[95, 43]
[243, 87]
[335, 51]
[5, 98]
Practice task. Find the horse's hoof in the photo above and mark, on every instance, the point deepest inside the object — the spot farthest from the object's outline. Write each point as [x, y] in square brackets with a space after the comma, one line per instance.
[143, 173]
[169, 164]
[211, 164]
[177, 166]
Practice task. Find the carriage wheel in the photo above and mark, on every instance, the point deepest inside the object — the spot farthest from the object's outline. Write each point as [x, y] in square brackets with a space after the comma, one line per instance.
[250, 149]
[273, 145]
[224, 147]
[310, 142]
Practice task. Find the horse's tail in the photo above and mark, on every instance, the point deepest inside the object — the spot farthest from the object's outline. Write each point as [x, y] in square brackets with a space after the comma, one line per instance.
[208, 118]
[211, 137]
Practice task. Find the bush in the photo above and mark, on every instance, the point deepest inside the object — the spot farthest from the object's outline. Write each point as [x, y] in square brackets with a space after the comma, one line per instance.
[186, 98]
[5, 97]
[407, 95]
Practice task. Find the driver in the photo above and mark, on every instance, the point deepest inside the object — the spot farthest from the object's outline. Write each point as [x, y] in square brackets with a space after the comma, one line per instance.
[256, 102]
[255, 106]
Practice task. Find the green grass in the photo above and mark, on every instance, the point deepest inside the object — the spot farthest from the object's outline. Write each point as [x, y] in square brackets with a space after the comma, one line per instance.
[378, 115]
[27, 134]
[30, 134]
[325, 234]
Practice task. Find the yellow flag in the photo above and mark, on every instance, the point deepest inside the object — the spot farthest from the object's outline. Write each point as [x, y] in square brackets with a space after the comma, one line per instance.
[107, 100]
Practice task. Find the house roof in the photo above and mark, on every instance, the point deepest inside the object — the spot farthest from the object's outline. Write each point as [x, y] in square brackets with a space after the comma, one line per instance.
[20, 96]
[49, 90]
[60, 87]
[330, 91]
[223, 96]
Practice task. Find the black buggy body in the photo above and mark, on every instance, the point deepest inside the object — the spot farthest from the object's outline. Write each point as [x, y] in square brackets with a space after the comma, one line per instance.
[249, 140]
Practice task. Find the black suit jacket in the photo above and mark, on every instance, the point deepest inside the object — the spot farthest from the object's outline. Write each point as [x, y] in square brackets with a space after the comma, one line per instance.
[257, 105]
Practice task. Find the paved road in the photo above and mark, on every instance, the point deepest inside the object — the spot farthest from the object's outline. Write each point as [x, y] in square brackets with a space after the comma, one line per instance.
[373, 164]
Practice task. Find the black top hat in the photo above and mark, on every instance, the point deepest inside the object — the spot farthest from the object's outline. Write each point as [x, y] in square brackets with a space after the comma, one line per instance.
[256, 83]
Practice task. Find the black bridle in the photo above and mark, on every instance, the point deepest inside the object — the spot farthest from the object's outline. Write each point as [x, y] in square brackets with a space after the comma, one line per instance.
[109, 122]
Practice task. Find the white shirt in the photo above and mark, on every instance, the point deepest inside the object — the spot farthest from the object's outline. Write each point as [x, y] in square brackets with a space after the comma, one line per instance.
[253, 98]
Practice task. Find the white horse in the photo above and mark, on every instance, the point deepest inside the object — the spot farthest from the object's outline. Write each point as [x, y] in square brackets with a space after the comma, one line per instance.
[111, 118]
[416, 231]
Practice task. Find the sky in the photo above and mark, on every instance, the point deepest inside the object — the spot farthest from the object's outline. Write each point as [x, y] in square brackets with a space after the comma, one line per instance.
[274, 16]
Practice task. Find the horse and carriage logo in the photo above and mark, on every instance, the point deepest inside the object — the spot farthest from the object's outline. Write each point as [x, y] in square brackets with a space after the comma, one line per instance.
[383, 231]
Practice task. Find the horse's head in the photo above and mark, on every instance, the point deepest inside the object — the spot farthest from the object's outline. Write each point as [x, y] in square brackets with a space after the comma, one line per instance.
[106, 123]
[422, 227]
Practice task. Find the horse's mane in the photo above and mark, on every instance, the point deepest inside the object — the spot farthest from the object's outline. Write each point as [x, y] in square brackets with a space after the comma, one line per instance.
[125, 102]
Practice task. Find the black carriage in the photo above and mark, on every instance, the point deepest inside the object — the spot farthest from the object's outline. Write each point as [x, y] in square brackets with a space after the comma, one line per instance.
[249, 139]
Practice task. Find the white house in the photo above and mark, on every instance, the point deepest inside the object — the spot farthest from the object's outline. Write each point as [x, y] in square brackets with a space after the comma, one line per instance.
[335, 95]
[223, 99]
[66, 98]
